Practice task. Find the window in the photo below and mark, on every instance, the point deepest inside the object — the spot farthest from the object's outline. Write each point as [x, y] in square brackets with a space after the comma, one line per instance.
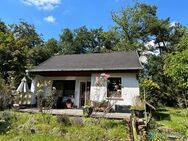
[114, 87]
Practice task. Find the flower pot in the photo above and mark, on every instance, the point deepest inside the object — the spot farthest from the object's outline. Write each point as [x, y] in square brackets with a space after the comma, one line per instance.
[87, 111]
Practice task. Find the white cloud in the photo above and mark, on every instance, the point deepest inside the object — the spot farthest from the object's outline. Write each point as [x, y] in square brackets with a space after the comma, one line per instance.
[43, 4]
[49, 19]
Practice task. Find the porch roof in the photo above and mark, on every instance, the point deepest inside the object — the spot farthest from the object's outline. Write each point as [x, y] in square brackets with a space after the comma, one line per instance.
[118, 61]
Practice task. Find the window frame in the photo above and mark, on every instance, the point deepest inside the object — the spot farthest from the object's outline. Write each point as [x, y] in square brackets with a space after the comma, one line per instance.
[115, 97]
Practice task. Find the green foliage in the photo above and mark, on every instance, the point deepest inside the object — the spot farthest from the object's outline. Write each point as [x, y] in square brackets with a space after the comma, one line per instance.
[28, 127]
[21, 48]
[149, 84]
[133, 23]
[183, 43]
[2, 82]
[187, 133]
[6, 120]
[139, 24]
[154, 70]
[176, 66]
[6, 97]
[151, 90]
[26, 34]
[52, 46]
[83, 40]
[77, 121]
[63, 119]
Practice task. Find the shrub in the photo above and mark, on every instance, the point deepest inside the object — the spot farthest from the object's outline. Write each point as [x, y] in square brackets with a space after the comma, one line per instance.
[77, 121]
[28, 127]
[6, 97]
[63, 119]
[46, 118]
[7, 115]
[6, 119]
[89, 121]
[186, 133]
[43, 128]
[55, 131]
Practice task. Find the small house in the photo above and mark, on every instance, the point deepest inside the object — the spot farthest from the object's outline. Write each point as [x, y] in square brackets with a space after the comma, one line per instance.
[75, 77]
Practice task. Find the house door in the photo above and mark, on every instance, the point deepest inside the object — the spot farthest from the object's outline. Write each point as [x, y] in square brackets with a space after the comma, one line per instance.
[64, 91]
[84, 92]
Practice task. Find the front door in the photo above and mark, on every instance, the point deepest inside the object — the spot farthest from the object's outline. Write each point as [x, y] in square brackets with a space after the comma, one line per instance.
[84, 92]
[64, 91]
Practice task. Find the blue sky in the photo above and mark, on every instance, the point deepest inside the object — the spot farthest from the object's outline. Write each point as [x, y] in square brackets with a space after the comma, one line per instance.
[51, 16]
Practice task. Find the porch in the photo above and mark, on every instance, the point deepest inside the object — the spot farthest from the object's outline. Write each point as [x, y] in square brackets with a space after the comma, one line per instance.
[71, 89]
[79, 113]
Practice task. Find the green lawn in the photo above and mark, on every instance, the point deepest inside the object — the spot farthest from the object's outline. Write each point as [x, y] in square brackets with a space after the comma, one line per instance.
[169, 120]
[16, 126]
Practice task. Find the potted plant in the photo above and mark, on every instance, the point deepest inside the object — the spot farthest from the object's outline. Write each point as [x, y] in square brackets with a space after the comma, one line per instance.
[101, 106]
[87, 109]
[137, 108]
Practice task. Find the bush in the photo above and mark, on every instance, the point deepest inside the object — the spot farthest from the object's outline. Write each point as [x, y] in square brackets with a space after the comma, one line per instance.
[55, 131]
[43, 128]
[6, 97]
[90, 121]
[7, 115]
[187, 133]
[77, 121]
[28, 127]
[6, 119]
[63, 119]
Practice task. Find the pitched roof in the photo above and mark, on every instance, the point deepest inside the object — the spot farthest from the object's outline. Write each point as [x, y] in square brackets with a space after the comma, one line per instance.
[91, 62]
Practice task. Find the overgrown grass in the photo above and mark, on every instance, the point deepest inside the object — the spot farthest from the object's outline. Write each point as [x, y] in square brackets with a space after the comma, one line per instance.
[178, 119]
[45, 127]
[169, 120]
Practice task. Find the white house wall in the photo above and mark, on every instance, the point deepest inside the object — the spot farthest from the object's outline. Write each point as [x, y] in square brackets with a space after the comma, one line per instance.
[130, 89]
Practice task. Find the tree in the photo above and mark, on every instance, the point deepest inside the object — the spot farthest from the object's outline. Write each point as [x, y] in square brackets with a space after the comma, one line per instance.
[83, 40]
[26, 34]
[66, 40]
[15, 43]
[176, 64]
[102, 41]
[40, 53]
[138, 25]
[110, 39]
[134, 24]
[154, 72]
[53, 46]
[176, 67]
[6, 37]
